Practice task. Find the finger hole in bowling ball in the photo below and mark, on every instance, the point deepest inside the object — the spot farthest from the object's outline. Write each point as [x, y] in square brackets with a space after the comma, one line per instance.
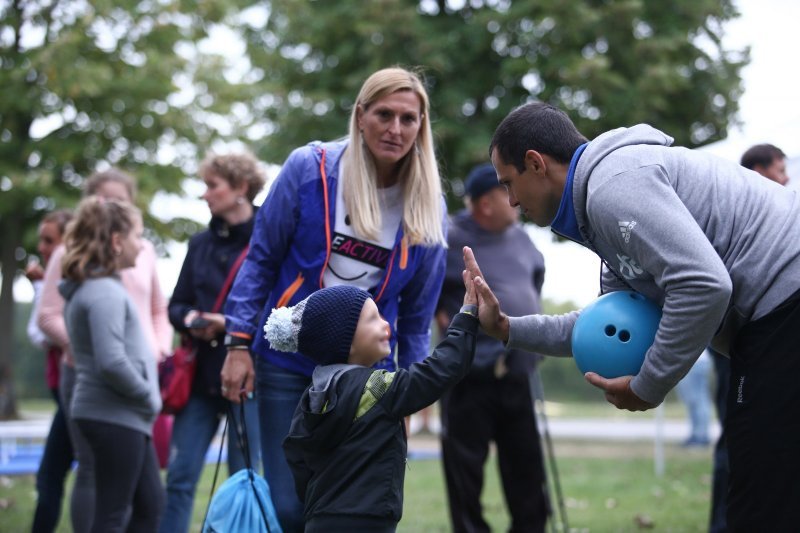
[610, 330]
[624, 335]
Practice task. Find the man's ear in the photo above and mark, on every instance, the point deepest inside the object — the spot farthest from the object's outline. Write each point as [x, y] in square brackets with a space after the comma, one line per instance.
[535, 162]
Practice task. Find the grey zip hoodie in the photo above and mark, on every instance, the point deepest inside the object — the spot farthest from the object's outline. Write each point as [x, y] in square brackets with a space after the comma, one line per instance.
[116, 378]
[715, 244]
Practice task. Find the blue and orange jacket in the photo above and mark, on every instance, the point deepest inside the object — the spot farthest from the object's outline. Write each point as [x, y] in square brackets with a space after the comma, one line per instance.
[289, 252]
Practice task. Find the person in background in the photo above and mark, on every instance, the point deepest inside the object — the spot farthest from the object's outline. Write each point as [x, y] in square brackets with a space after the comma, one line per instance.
[141, 282]
[769, 161]
[366, 211]
[116, 397]
[232, 182]
[493, 402]
[57, 455]
[695, 394]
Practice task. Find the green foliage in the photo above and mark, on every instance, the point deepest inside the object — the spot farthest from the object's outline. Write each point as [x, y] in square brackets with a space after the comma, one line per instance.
[87, 85]
[608, 64]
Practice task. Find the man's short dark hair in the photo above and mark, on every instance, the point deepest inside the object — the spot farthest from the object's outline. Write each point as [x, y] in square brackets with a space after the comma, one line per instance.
[536, 126]
[761, 155]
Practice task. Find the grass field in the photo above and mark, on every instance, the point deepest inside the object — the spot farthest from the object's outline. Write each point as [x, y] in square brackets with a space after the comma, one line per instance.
[607, 487]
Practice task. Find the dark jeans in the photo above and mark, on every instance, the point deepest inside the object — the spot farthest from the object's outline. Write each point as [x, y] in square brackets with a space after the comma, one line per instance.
[56, 462]
[126, 475]
[763, 423]
[474, 413]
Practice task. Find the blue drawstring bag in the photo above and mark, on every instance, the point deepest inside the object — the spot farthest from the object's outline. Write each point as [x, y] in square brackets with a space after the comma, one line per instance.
[243, 502]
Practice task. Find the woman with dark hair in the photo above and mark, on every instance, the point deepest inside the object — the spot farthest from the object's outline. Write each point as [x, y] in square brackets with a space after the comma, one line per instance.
[58, 455]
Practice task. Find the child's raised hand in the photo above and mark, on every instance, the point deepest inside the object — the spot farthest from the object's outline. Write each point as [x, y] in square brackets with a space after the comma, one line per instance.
[470, 295]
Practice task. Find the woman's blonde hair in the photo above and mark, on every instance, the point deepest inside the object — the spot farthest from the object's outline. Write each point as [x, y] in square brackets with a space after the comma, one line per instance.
[419, 174]
[89, 252]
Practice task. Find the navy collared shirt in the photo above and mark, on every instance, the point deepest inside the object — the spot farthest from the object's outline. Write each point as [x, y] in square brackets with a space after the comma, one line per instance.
[565, 222]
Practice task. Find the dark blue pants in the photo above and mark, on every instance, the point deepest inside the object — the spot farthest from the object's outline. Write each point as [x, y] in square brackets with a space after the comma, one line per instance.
[56, 463]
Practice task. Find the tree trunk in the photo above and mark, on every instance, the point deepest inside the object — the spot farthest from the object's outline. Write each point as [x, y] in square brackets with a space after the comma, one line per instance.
[10, 231]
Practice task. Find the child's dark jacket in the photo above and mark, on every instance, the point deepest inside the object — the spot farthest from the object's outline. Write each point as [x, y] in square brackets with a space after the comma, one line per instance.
[348, 463]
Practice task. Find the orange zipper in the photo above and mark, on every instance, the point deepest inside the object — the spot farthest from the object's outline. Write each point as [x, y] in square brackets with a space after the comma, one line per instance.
[324, 178]
[290, 291]
[403, 253]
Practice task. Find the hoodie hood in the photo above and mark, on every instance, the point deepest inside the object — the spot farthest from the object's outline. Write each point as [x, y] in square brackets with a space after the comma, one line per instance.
[596, 152]
[327, 407]
[67, 288]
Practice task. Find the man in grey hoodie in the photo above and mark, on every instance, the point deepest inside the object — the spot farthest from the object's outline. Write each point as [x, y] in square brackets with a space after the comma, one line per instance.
[708, 240]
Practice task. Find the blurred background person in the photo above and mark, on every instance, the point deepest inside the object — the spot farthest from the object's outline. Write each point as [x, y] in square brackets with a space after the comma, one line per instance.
[768, 160]
[695, 394]
[232, 182]
[366, 211]
[57, 455]
[494, 401]
[141, 282]
[116, 397]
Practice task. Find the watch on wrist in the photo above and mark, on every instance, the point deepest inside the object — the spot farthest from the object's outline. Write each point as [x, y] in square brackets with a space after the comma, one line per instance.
[234, 342]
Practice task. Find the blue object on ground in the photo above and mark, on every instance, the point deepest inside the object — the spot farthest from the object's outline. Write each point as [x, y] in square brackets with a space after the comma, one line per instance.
[242, 503]
[613, 333]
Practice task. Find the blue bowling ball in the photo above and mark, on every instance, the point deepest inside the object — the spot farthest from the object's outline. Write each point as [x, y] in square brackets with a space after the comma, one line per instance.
[613, 333]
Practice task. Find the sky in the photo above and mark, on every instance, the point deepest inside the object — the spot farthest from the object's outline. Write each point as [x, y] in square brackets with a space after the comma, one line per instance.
[769, 112]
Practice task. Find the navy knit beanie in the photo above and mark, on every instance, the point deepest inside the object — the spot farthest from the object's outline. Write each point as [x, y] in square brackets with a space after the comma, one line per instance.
[320, 327]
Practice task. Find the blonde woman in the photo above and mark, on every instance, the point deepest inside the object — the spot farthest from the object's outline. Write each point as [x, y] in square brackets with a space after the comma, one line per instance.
[365, 211]
[116, 397]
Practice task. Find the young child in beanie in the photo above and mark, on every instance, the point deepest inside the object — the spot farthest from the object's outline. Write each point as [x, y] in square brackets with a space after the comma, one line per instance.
[347, 442]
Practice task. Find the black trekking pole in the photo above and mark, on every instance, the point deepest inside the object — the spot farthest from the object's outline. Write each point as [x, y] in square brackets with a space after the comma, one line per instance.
[537, 390]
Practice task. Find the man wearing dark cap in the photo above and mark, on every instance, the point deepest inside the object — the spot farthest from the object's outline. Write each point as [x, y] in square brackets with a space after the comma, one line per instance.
[493, 403]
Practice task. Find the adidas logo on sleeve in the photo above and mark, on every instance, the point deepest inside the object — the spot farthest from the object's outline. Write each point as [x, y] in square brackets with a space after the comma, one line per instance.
[626, 227]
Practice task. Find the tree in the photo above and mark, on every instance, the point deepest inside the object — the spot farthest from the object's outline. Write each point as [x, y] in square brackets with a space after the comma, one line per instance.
[92, 84]
[607, 64]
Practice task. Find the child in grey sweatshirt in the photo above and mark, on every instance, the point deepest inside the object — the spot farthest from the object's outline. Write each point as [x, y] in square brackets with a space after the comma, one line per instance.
[116, 397]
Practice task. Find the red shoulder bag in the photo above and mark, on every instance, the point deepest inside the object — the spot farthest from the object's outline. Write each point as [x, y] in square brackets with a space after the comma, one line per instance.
[176, 372]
